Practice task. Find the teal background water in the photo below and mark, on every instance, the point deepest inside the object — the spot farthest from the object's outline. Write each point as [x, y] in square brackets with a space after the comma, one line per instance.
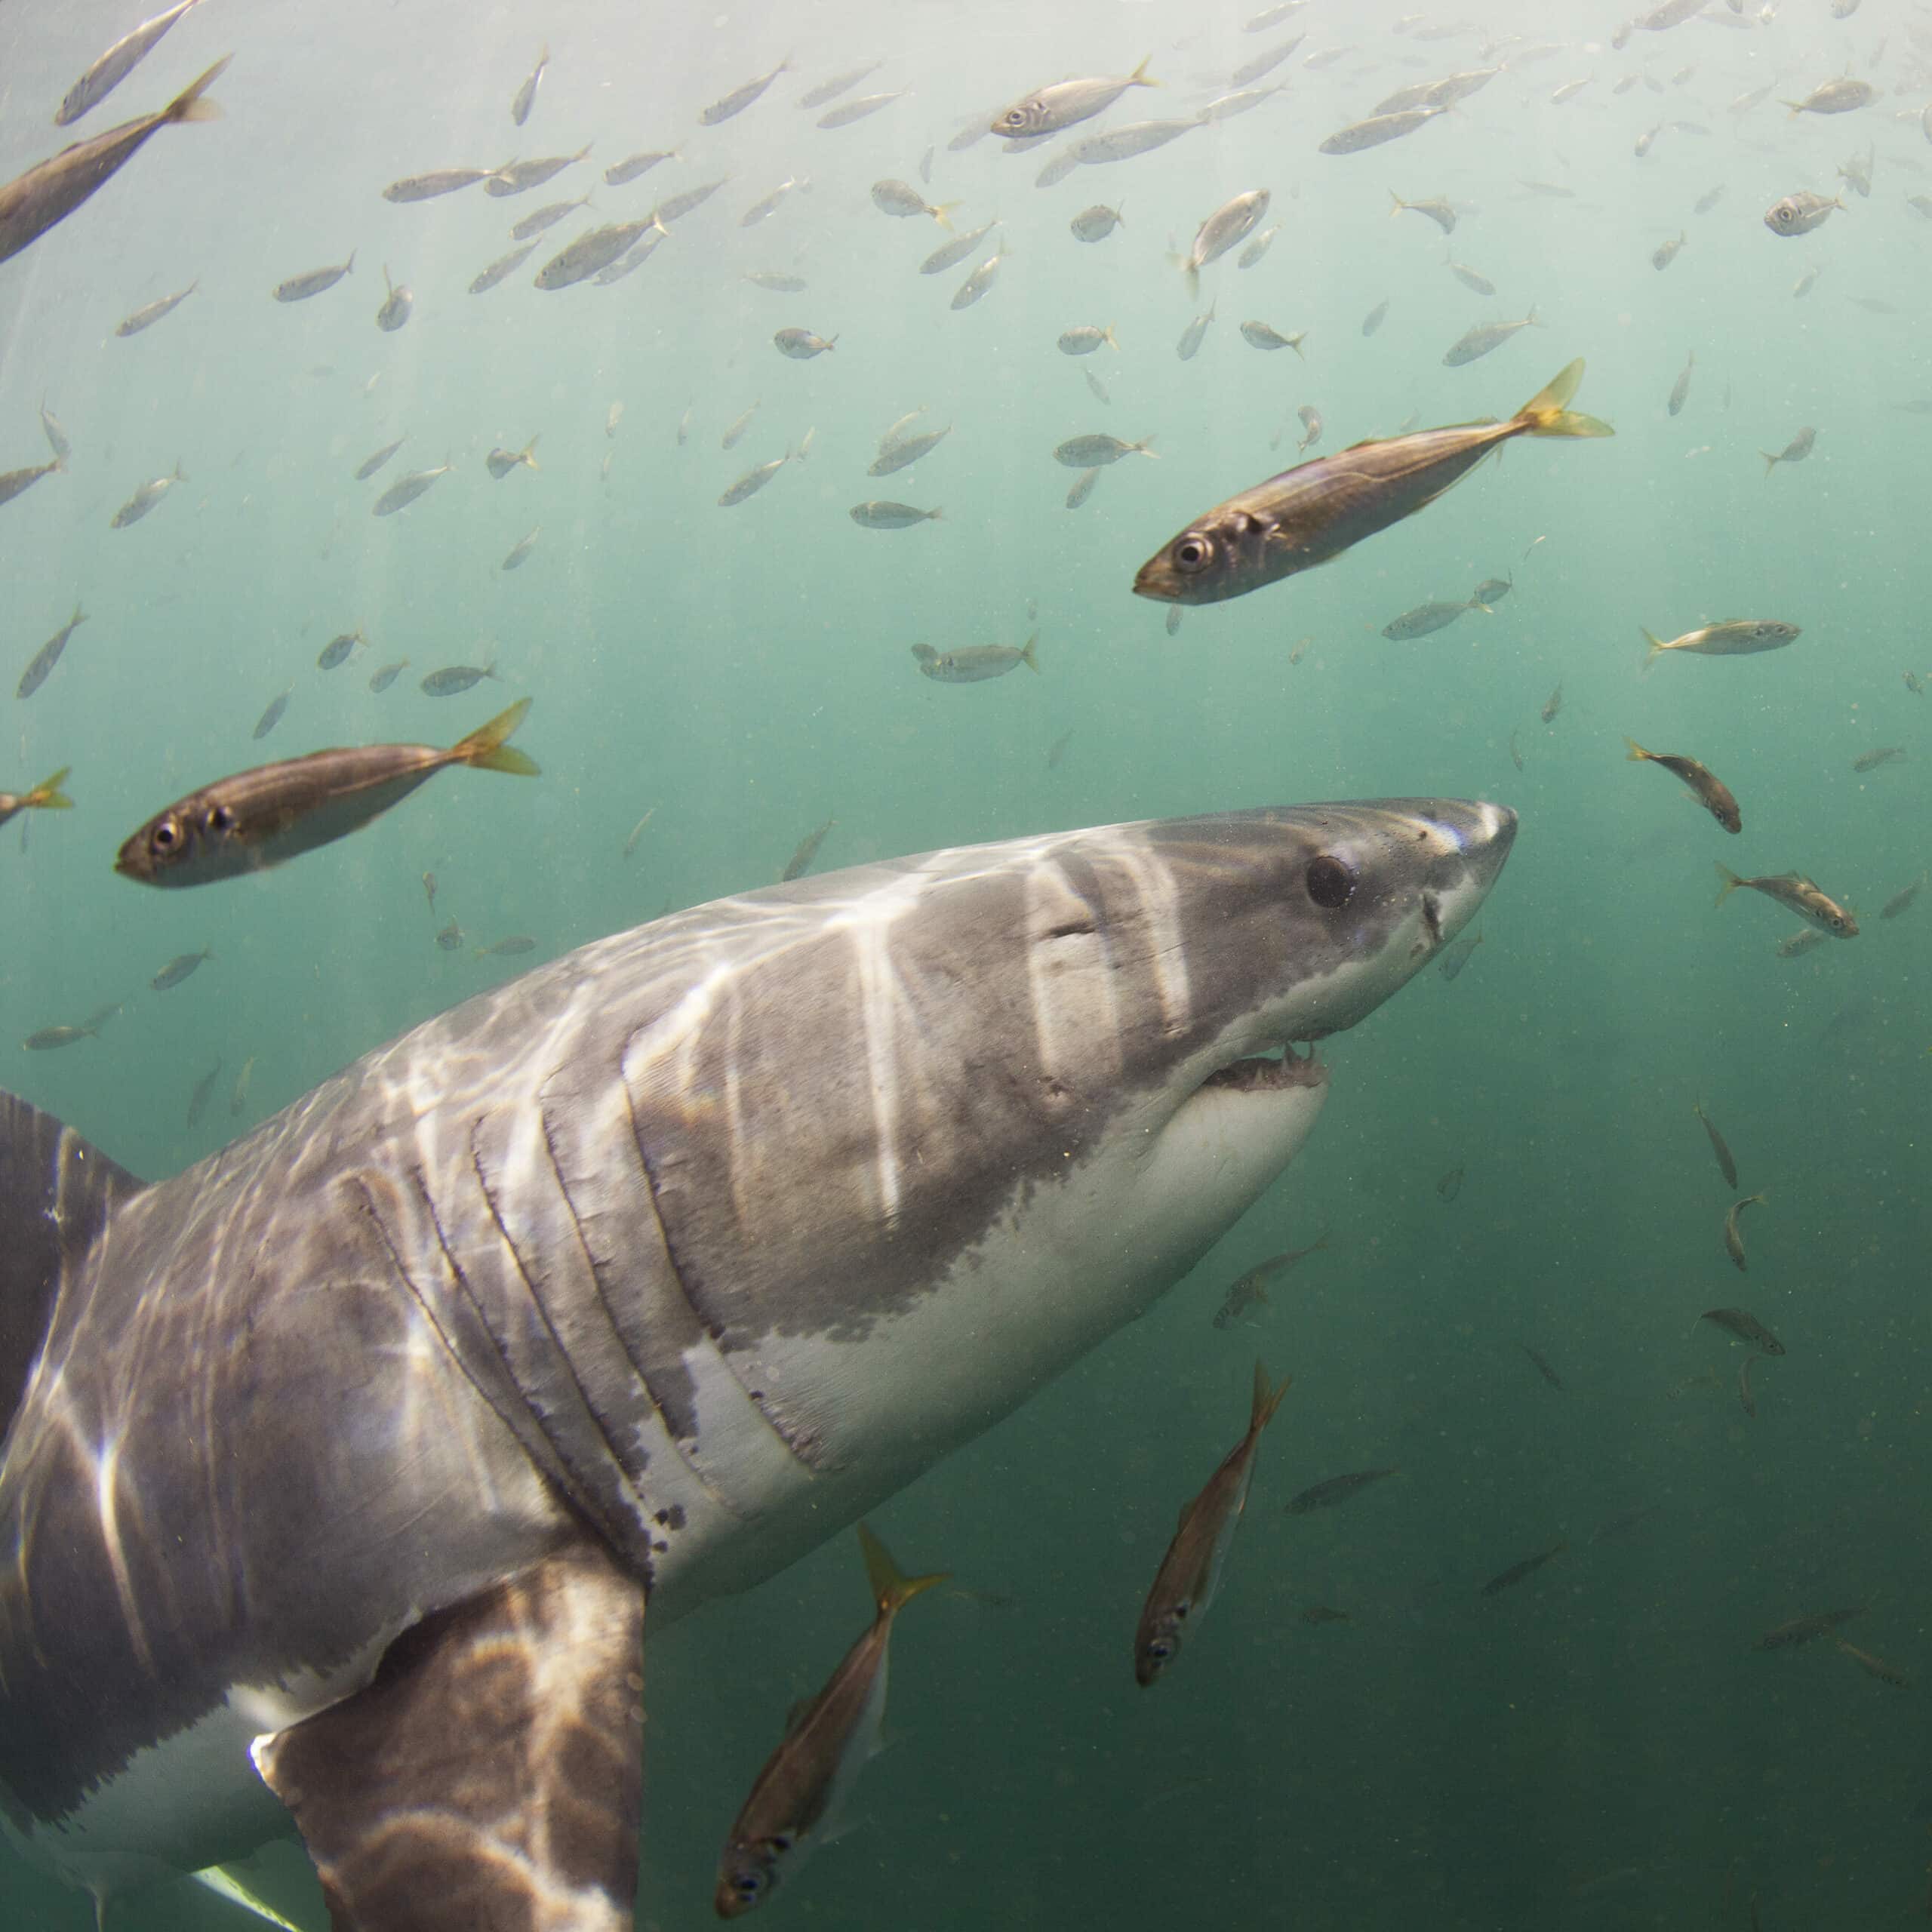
[1599, 1747]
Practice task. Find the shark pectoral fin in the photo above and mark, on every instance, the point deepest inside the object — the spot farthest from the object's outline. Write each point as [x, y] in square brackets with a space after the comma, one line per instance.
[490, 1773]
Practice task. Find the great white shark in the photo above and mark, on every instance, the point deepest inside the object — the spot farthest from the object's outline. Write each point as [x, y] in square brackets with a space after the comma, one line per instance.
[341, 1471]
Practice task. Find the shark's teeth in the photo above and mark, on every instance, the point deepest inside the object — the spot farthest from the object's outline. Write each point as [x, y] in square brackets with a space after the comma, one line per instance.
[1262, 1073]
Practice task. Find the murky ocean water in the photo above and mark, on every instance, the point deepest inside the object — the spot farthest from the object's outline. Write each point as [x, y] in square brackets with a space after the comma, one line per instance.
[1599, 1745]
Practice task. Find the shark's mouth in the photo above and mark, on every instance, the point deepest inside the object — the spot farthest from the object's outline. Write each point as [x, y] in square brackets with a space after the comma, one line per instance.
[1266, 1073]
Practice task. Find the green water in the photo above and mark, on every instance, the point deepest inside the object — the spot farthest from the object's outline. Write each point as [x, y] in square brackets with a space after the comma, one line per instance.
[1599, 1746]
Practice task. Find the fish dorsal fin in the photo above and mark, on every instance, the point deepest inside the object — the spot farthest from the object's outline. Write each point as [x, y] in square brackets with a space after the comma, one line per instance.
[490, 1773]
[56, 1194]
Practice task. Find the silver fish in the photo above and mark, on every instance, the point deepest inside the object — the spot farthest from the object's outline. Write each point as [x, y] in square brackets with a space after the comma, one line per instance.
[57, 437]
[1188, 346]
[974, 663]
[1136, 137]
[1475, 344]
[183, 966]
[1225, 107]
[1048, 110]
[781, 284]
[518, 177]
[396, 306]
[675, 207]
[1680, 390]
[1091, 452]
[547, 216]
[114, 65]
[881, 514]
[628, 169]
[501, 269]
[339, 650]
[454, 678]
[1796, 451]
[147, 318]
[1374, 319]
[1438, 211]
[312, 282]
[950, 254]
[1262, 336]
[800, 1795]
[982, 279]
[1378, 129]
[1229, 225]
[520, 550]
[404, 491]
[1801, 213]
[1737, 637]
[13, 482]
[753, 480]
[1798, 894]
[1096, 223]
[740, 98]
[1667, 252]
[846, 112]
[42, 666]
[143, 500]
[596, 251]
[197, 1101]
[1265, 64]
[1424, 619]
[734, 430]
[526, 95]
[763, 211]
[439, 181]
[271, 717]
[367, 467]
[801, 344]
[1082, 487]
[806, 851]
[1190, 1573]
[381, 679]
[1258, 248]
[824, 92]
[501, 461]
[1480, 284]
[1838, 97]
[902, 198]
[1084, 340]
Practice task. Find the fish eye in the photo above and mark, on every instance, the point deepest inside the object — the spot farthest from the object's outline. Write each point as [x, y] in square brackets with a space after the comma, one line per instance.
[165, 836]
[1160, 1650]
[1194, 552]
[749, 1882]
[1331, 883]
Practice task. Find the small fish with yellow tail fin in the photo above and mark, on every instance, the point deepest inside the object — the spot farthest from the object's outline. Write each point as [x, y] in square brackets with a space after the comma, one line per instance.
[1313, 512]
[1190, 1573]
[1706, 787]
[1801, 894]
[46, 796]
[797, 1798]
[277, 812]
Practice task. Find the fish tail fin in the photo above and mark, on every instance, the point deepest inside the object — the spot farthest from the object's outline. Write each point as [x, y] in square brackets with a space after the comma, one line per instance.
[47, 794]
[1321, 1239]
[1110, 339]
[934, 515]
[1192, 275]
[192, 103]
[1399, 204]
[1770, 462]
[1030, 656]
[1731, 882]
[1635, 755]
[892, 1591]
[1138, 78]
[1145, 448]
[1657, 645]
[1267, 1399]
[348, 266]
[1544, 414]
[941, 210]
[489, 749]
[526, 456]
[1531, 319]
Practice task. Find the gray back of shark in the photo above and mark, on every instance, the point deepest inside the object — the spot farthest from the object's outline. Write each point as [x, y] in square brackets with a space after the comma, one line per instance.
[346, 1463]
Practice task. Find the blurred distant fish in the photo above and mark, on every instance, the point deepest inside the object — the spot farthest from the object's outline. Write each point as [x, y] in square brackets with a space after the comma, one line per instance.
[197, 1101]
[48, 193]
[1173, 620]
[450, 938]
[1542, 1366]
[501, 461]
[1801, 213]
[1310, 419]
[1517, 1572]
[501, 269]
[339, 650]
[41, 667]
[1048, 109]
[1265, 64]
[800, 862]
[619, 173]
[1886, 1673]
[1250, 1289]
[1188, 346]
[546, 217]
[778, 283]
[404, 491]
[1190, 1573]
[1879, 754]
[1709, 790]
[902, 198]
[1569, 90]
[981, 280]
[46, 796]
[1378, 129]
[1136, 137]
[1090, 452]
[1450, 1184]
[114, 65]
[1258, 248]
[1092, 224]
[1806, 1629]
[396, 305]
[271, 717]
[1856, 174]
[1372, 320]
[142, 501]
[1746, 1326]
[312, 282]
[1708, 199]
[438, 182]
[50, 1039]
[950, 254]
[974, 663]
[1901, 900]
[1455, 957]
[1798, 894]
[1082, 487]
[146, 318]
[183, 966]
[1424, 619]
[453, 678]
[1491, 590]
[736, 428]
[1057, 750]
[1473, 344]
[1225, 106]
[1680, 390]
[884, 514]
[1737, 637]
[1084, 340]
[1795, 946]
[367, 467]
[57, 437]
[1229, 225]
[1726, 1166]
[238, 1097]
[519, 551]
[763, 210]
[526, 95]
[381, 680]
[1667, 252]
[898, 453]
[1516, 751]
[510, 948]
[637, 832]
[278, 812]
[753, 480]
[518, 177]
[1438, 211]
[824, 92]
[1470, 279]
[848, 112]
[1337, 1491]
[801, 344]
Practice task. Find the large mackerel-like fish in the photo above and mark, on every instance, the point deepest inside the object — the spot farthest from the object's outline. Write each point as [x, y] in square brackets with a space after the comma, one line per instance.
[340, 1469]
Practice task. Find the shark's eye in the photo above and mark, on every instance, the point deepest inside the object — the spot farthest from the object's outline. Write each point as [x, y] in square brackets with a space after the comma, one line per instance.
[1194, 552]
[1331, 882]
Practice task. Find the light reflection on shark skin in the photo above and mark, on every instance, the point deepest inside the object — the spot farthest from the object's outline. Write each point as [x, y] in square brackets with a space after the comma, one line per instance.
[698, 1242]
